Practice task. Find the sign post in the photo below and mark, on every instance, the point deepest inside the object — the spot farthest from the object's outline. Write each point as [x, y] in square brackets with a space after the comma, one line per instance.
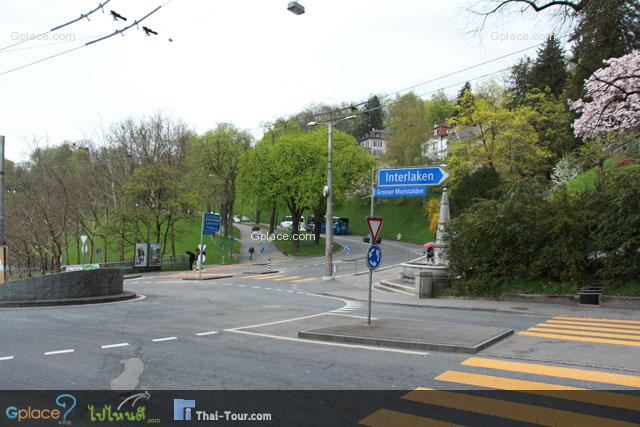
[210, 225]
[83, 238]
[374, 254]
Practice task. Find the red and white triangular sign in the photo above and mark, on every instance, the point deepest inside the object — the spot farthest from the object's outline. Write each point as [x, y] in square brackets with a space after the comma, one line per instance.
[375, 224]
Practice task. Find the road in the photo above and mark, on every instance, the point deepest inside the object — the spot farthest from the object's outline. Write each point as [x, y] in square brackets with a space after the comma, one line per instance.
[240, 333]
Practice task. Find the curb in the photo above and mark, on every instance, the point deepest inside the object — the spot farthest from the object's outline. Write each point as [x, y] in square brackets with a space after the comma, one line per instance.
[126, 295]
[261, 272]
[133, 276]
[224, 276]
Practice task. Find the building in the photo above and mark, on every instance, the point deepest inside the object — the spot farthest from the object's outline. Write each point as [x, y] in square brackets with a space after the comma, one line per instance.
[376, 142]
[437, 147]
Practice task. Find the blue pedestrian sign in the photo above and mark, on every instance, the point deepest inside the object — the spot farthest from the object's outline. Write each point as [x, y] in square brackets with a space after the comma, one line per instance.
[412, 191]
[347, 249]
[210, 223]
[414, 176]
[374, 257]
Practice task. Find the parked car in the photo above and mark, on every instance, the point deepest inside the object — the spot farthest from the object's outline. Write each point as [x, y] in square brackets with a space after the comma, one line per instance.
[287, 223]
[236, 218]
[244, 219]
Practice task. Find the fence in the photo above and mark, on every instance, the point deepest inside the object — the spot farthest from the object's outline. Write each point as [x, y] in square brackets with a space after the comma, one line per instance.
[392, 255]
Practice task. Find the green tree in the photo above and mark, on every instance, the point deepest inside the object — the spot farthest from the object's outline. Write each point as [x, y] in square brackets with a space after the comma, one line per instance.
[438, 109]
[407, 123]
[549, 70]
[373, 117]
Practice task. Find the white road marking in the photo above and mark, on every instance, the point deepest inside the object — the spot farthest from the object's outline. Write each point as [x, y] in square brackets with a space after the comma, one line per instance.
[6, 358]
[227, 284]
[164, 339]
[364, 347]
[122, 344]
[277, 322]
[51, 353]
[279, 290]
[290, 292]
[256, 287]
[350, 315]
[243, 286]
[269, 289]
[202, 334]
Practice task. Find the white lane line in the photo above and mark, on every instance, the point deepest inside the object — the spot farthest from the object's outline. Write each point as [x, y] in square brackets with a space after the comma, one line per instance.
[164, 339]
[227, 284]
[269, 289]
[277, 322]
[51, 353]
[6, 358]
[202, 334]
[280, 290]
[290, 292]
[364, 347]
[122, 344]
[256, 287]
[243, 286]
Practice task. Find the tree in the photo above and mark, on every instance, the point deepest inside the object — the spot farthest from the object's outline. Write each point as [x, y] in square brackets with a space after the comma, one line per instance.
[373, 117]
[612, 102]
[407, 123]
[218, 153]
[606, 29]
[438, 109]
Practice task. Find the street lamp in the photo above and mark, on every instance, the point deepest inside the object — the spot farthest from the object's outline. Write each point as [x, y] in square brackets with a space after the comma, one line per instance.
[328, 254]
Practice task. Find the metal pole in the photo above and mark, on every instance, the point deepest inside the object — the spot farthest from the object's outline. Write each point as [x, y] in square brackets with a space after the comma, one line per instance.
[200, 248]
[2, 242]
[371, 242]
[328, 256]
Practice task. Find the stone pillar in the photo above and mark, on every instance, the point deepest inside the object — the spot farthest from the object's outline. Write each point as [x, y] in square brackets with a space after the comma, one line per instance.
[440, 248]
[424, 284]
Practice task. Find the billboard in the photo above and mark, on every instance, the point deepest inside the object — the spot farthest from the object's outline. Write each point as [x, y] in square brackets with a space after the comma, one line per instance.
[155, 255]
[141, 255]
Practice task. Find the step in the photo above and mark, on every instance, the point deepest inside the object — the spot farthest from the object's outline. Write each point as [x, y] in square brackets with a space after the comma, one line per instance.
[394, 286]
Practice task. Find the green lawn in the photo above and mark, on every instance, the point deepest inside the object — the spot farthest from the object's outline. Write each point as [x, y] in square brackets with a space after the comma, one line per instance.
[587, 180]
[307, 247]
[403, 215]
[187, 239]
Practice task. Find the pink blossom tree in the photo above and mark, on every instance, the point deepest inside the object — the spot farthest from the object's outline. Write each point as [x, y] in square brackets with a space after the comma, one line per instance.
[612, 102]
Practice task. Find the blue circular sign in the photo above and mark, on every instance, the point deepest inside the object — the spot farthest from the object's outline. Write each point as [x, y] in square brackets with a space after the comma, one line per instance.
[374, 257]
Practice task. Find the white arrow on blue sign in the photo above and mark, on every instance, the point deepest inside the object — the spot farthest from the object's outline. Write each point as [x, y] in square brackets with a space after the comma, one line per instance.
[374, 257]
[414, 176]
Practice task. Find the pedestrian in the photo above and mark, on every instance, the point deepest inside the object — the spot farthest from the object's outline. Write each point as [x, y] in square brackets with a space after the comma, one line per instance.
[192, 258]
[251, 251]
[431, 256]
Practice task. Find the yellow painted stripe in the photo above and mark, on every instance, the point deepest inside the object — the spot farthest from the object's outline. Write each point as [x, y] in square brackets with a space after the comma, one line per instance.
[387, 417]
[554, 371]
[611, 325]
[500, 383]
[582, 339]
[287, 278]
[595, 319]
[601, 398]
[269, 276]
[303, 280]
[509, 410]
[588, 328]
[585, 333]
[252, 277]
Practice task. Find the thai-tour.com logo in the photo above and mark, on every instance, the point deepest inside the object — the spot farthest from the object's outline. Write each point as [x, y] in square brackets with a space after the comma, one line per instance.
[59, 411]
[185, 410]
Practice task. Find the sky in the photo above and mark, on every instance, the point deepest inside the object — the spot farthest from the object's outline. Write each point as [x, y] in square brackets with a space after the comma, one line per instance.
[245, 62]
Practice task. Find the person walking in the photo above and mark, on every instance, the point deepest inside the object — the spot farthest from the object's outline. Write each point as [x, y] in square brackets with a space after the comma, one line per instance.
[251, 251]
[192, 258]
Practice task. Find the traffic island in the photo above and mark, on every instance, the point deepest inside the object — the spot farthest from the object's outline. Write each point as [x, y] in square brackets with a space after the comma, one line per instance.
[412, 334]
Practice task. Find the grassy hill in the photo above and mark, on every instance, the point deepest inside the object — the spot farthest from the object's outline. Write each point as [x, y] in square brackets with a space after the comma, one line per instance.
[402, 215]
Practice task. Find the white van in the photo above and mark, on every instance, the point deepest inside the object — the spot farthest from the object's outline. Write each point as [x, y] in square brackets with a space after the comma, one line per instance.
[288, 223]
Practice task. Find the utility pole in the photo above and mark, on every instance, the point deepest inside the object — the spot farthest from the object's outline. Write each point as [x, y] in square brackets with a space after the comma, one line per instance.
[328, 236]
[2, 240]
[371, 242]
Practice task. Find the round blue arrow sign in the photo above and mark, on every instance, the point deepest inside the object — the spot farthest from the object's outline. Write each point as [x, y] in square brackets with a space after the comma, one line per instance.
[374, 257]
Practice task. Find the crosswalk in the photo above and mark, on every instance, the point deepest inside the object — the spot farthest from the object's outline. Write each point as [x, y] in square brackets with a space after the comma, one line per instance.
[588, 329]
[532, 398]
[279, 278]
[351, 306]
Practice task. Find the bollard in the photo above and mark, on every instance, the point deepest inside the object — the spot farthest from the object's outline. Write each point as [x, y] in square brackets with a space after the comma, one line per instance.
[269, 264]
[222, 259]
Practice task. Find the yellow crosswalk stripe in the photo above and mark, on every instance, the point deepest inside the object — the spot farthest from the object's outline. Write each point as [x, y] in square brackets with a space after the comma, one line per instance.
[500, 383]
[555, 371]
[601, 398]
[588, 328]
[387, 417]
[595, 319]
[254, 276]
[509, 410]
[612, 325]
[287, 278]
[303, 280]
[585, 333]
[582, 339]
[269, 276]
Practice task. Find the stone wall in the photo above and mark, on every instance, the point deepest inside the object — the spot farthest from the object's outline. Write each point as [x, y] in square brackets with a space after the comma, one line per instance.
[58, 286]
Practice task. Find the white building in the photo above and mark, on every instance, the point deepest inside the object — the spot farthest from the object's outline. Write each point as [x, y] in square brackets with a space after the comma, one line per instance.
[376, 142]
[437, 147]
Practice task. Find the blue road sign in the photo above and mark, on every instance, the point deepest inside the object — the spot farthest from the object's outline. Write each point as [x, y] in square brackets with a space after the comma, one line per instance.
[347, 249]
[426, 175]
[211, 223]
[413, 191]
[374, 257]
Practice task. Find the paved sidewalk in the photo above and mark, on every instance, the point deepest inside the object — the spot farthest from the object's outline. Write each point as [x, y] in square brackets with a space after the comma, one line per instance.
[356, 288]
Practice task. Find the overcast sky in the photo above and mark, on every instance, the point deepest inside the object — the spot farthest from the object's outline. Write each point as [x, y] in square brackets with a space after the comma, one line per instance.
[246, 62]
